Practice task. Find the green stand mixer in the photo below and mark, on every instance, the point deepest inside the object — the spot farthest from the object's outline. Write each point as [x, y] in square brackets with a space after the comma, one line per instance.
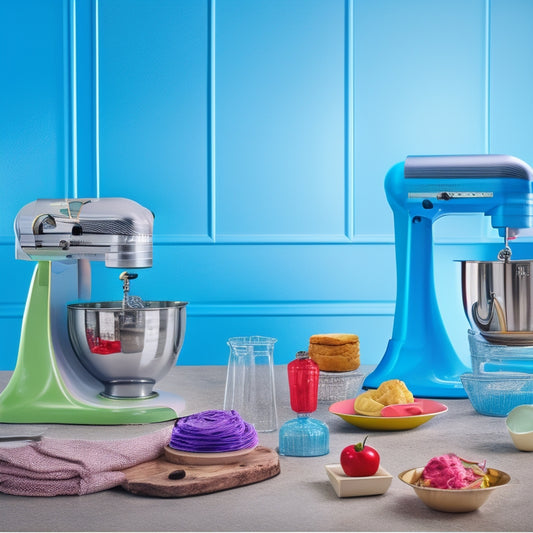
[90, 363]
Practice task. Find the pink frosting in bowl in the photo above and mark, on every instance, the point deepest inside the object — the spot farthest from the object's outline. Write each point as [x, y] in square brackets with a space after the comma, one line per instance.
[449, 472]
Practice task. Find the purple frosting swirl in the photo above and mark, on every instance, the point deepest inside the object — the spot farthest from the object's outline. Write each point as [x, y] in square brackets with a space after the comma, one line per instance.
[213, 431]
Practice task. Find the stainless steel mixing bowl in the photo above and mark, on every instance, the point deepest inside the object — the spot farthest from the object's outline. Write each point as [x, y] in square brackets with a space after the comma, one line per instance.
[127, 349]
[498, 300]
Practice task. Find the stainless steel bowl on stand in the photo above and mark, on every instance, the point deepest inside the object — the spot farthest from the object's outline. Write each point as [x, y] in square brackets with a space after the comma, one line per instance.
[498, 300]
[127, 349]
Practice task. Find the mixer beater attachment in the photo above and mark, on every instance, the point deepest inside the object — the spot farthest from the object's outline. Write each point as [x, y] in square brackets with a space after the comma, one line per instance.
[129, 301]
[505, 253]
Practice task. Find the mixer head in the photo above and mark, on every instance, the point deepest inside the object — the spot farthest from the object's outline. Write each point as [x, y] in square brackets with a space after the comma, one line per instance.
[500, 186]
[467, 166]
[115, 230]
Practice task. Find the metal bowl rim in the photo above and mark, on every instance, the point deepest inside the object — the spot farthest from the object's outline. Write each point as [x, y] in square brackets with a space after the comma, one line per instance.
[116, 305]
[496, 262]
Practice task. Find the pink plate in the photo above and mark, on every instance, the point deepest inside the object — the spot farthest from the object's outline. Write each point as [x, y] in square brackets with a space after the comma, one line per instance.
[345, 410]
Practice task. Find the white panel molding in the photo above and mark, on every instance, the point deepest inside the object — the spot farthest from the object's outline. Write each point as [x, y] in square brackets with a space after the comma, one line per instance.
[11, 310]
[371, 308]
[244, 239]
[362, 308]
[175, 240]
[211, 121]
[486, 68]
[349, 121]
[69, 88]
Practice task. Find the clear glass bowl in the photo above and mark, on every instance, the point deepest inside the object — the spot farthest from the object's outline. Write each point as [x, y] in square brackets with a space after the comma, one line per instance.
[497, 393]
[337, 386]
[487, 357]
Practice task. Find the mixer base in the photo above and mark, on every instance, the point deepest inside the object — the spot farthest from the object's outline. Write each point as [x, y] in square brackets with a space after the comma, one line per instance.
[63, 408]
[427, 375]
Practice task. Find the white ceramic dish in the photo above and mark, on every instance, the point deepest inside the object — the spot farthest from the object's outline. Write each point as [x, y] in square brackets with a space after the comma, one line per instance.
[519, 423]
[346, 486]
[451, 500]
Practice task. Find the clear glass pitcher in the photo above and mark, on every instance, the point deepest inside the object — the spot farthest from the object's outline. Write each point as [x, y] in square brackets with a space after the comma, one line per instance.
[250, 385]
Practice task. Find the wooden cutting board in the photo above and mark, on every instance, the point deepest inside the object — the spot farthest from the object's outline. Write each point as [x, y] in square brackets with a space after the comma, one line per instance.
[152, 478]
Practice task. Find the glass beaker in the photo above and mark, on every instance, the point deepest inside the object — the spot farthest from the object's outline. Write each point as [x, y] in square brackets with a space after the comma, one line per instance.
[250, 386]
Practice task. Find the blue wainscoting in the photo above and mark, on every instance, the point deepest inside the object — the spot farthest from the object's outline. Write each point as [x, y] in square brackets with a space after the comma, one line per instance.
[259, 132]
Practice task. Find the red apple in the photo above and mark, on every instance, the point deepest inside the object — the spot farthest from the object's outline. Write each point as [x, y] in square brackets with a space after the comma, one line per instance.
[359, 460]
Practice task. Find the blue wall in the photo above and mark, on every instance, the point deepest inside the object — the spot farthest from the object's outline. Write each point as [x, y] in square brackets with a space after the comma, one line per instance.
[259, 132]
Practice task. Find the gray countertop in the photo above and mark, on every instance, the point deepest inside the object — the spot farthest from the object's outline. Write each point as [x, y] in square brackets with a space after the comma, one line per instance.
[301, 497]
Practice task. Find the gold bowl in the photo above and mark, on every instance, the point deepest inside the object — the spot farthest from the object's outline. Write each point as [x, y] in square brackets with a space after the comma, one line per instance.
[452, 500]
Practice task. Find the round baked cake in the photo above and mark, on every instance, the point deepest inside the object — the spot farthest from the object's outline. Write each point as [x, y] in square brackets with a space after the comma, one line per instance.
[335, 352]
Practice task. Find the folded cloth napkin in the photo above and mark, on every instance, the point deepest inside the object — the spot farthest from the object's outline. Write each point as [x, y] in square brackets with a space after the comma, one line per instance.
[53, 467]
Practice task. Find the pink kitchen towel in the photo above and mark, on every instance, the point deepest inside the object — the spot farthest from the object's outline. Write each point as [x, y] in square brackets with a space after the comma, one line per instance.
[53, 467]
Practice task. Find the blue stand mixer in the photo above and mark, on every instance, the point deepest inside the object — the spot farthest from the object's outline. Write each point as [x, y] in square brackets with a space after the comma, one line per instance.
[420, 190]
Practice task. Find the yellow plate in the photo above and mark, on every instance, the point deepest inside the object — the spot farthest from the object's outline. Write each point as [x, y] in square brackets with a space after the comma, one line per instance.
[345, 410]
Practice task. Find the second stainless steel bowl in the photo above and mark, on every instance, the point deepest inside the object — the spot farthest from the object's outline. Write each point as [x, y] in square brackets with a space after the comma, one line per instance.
[498, 300]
